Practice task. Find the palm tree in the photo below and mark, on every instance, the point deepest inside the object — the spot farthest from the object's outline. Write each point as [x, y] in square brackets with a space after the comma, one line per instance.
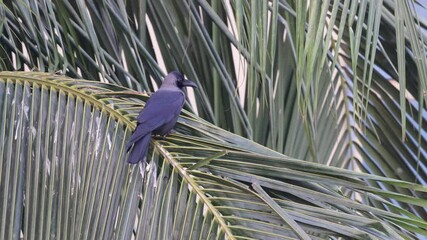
[308, 121]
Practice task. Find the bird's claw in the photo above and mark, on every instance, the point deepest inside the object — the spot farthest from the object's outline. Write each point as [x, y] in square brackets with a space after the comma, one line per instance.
[161, 137]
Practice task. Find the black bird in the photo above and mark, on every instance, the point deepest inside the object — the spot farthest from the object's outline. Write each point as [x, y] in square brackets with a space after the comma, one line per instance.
[159, 114]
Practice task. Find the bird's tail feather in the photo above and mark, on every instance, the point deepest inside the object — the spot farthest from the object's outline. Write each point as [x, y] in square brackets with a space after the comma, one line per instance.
[140, 149]
[136, 136]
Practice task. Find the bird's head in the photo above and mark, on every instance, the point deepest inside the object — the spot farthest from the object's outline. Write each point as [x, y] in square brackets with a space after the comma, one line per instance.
[176, 79]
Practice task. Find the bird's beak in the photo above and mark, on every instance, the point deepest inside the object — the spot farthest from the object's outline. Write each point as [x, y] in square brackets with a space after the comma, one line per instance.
[188, 83]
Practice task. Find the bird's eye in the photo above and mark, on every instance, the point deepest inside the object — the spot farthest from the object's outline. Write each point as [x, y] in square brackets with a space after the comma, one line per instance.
[179, 82]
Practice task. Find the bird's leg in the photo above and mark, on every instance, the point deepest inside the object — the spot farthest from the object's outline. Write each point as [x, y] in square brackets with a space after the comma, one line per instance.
[172, 131]
[164, 135]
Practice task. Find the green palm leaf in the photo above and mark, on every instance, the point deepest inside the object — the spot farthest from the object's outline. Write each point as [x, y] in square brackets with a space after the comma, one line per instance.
[64, 175]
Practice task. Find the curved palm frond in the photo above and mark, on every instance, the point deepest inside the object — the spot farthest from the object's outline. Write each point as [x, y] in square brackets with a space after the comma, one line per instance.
[313, 82]
[64, 168]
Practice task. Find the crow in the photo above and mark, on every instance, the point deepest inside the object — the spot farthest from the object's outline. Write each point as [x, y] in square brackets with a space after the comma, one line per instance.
[159, 114]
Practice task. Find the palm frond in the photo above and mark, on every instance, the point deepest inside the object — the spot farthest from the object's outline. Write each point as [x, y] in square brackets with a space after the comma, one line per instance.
[64, 168]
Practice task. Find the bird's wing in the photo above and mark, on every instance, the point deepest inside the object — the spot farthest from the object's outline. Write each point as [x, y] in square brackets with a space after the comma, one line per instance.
[162, 107]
